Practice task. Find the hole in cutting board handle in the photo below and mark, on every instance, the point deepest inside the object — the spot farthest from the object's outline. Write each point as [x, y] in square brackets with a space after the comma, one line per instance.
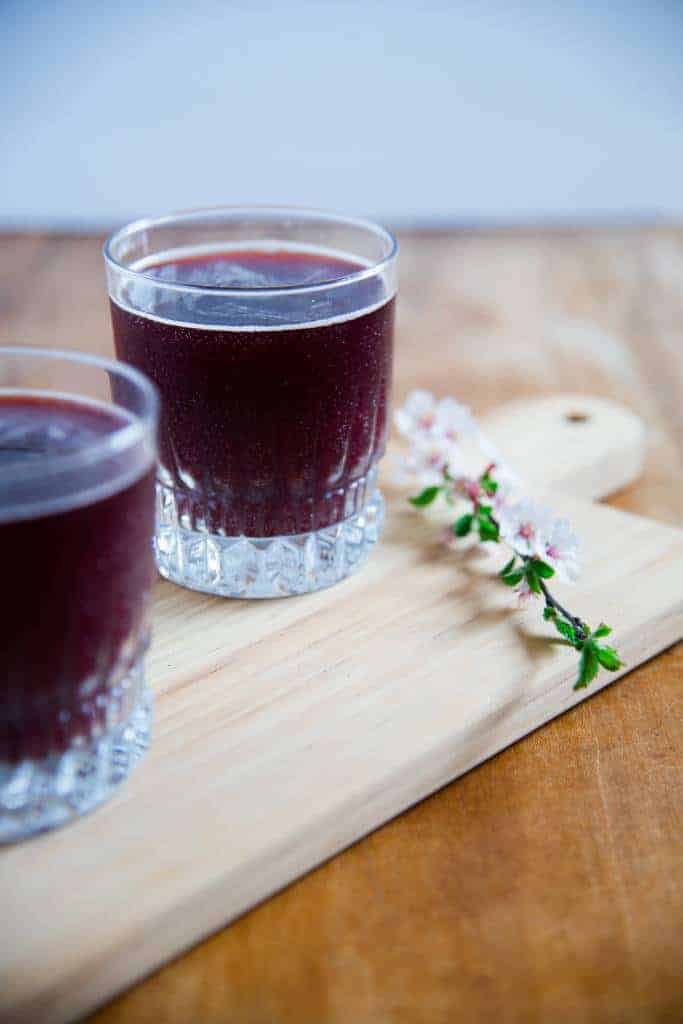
[577, 417]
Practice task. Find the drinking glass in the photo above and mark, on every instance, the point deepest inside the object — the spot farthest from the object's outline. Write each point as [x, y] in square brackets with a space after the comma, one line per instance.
[77, 454]
[269, 334]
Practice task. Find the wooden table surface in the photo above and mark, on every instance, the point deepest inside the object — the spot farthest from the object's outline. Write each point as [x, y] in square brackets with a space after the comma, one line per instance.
[546, 885]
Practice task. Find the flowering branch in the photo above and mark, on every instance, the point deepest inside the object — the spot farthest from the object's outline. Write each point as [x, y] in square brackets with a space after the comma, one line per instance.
[541, 545]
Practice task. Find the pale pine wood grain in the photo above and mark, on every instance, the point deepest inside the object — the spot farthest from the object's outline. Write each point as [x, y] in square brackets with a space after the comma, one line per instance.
[547, 883]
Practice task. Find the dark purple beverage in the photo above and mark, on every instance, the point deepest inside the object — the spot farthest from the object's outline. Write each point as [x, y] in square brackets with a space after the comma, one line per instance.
[78, 579]
[266, 431]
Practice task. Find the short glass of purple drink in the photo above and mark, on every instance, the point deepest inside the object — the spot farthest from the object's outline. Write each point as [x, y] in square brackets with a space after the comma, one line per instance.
[269, 334]
[77, 455]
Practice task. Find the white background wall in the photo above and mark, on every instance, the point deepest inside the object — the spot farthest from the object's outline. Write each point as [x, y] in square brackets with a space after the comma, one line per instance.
[472, 109]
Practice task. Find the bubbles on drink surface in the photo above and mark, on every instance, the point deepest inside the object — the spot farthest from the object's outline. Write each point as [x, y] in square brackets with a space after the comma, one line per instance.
[253, 268]
[255, 287]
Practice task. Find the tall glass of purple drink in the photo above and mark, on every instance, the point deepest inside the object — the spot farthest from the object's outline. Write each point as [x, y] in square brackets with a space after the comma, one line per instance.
[77, 455]
[269, 334]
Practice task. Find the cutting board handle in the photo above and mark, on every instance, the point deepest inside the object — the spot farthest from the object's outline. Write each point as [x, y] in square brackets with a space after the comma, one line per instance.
[584, 446]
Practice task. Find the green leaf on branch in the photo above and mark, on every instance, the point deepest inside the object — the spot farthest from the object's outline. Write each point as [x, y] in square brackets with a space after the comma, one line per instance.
[488, 527]
[542, 569]
[602, 630]
[513, 578]
[488, 484]
[532, 578]
[507, 567]
[463, 525]
[425, 497]
[565, 629]
[549, 613]
[608, 657]
[589, 666]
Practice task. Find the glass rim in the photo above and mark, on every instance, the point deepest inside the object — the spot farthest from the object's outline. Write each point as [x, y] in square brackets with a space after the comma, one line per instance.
[119, 440]
[304, 212]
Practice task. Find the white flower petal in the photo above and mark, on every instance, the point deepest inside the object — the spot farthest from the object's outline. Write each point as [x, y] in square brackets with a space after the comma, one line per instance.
[489, 449]
[525, 526]
[506, 476]
[454, 420]
[428, 477]
[417, 415]
[419, 402]
[405, 424]
[563, 551]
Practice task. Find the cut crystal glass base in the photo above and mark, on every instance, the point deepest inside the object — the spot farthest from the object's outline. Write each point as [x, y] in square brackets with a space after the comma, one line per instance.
[269, 566]
[36, 795]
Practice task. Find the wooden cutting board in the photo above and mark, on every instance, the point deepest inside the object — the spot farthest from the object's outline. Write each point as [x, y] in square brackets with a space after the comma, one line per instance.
[285, 730]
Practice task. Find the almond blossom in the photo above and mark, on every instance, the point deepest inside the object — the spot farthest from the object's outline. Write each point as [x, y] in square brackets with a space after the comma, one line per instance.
[525, 526]
[454, 421]
[509, 481]
[417, 415]
[562, 551]
[429, 458]
[542, 545]
[533, 531]
[422, 415]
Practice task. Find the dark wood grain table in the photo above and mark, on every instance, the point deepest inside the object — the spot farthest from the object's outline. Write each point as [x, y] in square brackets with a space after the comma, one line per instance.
[546, 885]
